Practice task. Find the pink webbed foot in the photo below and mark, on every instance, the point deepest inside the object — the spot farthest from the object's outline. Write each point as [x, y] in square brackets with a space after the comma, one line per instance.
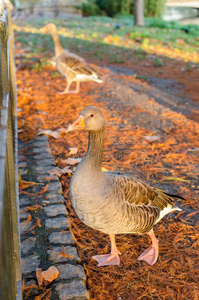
[74, 92]
[150, 255]
[68, 92]
[107, 259]
[111, 259]
[62, 93]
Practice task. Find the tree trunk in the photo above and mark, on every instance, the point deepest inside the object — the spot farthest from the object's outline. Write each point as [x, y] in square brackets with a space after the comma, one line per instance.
[139, 12]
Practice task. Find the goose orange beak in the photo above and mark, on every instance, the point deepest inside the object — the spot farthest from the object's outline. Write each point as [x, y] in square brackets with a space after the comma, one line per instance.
[78, 124]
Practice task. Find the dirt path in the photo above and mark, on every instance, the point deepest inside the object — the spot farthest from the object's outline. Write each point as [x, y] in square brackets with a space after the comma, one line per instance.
[164, 91]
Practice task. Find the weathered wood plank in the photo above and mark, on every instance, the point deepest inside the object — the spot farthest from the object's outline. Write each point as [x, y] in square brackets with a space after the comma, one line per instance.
[10, 268]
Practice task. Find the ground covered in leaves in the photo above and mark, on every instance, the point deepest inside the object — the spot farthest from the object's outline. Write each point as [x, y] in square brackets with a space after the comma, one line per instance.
[150, 101]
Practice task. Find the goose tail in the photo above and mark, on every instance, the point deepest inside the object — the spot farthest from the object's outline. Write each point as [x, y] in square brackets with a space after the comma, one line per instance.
[169, 208]
[98, 79]
[96, 75]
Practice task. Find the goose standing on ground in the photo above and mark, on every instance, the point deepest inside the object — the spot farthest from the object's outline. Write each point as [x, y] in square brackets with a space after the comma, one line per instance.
[72, 66]
[114, 202]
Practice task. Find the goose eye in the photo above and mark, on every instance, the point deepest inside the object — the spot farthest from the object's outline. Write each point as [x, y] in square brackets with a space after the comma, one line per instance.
[92, 115]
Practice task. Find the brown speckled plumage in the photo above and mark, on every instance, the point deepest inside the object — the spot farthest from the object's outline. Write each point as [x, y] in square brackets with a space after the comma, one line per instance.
[71, 65]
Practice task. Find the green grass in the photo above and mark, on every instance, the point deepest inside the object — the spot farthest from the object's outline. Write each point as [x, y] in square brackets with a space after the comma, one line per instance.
[99, 36]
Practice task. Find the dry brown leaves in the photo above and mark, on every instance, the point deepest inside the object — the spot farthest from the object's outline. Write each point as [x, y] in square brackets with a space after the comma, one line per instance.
[63, 253]
[31, 288]
[37, 224]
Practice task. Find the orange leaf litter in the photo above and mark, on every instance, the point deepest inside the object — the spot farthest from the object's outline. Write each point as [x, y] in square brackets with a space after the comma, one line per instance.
[176, 274]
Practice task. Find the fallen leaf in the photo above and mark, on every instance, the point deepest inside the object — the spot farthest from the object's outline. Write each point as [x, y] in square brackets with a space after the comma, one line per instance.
[32, 208]
[63, 253]
[72, 150]
[37, 224]
[26, 184]
[104, 169]
[152, 138]
[46, 277]
[39, 276]
[54, 133]
[28, 219]
[174, 179]
[20, 123]
[50, 275]
[47, 295]
[57, 171]
[20, 130]
[194, 150]
[72, 161]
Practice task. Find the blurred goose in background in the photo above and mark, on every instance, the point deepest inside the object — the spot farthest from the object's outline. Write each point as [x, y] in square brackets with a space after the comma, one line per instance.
[114, 202]
[72, 66]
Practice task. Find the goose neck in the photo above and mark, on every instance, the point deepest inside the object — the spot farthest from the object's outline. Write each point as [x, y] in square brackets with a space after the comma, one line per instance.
[58, 47]
[94, 153]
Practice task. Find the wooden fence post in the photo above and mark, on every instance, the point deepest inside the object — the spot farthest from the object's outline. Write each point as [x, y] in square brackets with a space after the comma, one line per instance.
[10, 267]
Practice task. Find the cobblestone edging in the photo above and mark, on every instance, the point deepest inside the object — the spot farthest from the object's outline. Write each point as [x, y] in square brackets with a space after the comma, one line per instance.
[42, 245]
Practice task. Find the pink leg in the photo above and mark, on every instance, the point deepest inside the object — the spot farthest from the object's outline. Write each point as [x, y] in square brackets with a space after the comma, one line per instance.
[150, 255]
[76, 91]
[109, 259]
[66, 91]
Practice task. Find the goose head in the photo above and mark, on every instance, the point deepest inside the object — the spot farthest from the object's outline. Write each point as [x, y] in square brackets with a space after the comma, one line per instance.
[49, 28]
[90, 119]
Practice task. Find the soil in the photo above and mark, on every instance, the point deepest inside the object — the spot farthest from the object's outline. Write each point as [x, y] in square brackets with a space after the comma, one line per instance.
[152, 133]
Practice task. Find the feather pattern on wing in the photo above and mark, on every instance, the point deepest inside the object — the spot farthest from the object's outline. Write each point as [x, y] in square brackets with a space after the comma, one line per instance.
[75, 69]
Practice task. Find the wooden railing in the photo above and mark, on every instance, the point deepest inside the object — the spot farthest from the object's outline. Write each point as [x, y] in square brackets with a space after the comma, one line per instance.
[10, 268]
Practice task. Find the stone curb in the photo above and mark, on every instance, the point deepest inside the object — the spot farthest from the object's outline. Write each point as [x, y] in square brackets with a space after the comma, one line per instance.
[44, 225]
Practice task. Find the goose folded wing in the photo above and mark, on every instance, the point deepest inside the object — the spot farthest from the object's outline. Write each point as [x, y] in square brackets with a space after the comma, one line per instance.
[139, 193]
[79, 67]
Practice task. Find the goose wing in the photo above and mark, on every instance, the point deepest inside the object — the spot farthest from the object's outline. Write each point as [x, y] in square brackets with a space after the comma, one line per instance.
[71, 63]
[139, 193]
[142, 206]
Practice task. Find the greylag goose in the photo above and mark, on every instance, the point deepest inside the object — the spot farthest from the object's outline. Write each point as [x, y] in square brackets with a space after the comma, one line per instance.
[114, 202]
[70, 65]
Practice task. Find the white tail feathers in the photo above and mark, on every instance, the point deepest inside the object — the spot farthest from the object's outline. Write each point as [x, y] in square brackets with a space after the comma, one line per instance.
[166, 211]
[99, 80]
[93, 77]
